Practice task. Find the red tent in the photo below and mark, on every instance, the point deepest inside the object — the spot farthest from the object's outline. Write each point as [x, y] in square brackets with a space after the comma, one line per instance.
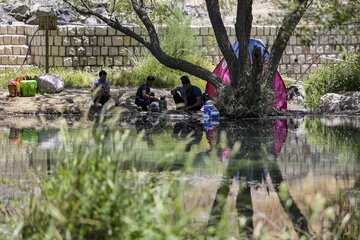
[222, 71]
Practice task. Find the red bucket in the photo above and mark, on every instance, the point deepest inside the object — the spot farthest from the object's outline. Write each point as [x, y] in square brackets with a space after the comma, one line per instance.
[14, 88]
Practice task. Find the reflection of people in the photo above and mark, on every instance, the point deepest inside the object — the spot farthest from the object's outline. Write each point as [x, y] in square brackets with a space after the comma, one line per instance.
[143, 95]
[186, 128]
[148, 124]
[190, 95]
[101, 88]
[143, 123]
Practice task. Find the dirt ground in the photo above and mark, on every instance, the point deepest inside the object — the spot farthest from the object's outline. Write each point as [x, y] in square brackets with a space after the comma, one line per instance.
[79, 102]
[72, 101]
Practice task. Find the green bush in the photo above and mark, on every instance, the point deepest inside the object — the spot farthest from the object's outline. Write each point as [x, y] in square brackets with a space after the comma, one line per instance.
[337, 77]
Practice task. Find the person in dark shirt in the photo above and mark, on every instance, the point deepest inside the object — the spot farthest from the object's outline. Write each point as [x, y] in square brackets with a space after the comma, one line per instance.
[193, 99]
[143, 95]
[179, 96]
[101, 89]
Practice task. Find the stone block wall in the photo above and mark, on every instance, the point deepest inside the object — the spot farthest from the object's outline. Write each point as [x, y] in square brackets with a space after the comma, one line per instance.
[89, 47]
[93, 47]
[13, 46]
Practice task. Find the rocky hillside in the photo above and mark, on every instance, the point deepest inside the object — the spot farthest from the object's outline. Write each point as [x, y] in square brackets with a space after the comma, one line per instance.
[28, 11]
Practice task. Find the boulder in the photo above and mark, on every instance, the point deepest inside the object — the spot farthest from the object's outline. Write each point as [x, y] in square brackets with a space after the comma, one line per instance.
[101, 10]
[348, 102]
[40, 11]
[45, 11]
[295, 98]
[65, 16]
[92, 20]
[5, 18]
[19, 12]
[193, 11]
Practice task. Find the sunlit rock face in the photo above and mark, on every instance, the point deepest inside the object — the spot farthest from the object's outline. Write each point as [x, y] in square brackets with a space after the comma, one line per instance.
[348, 102]
[194, 9]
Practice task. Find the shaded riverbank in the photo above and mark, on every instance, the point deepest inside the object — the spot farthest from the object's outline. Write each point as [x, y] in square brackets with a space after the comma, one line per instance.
[78, 102]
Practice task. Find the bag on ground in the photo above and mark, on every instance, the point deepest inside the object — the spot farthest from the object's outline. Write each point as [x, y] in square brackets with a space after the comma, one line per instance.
[49, 82]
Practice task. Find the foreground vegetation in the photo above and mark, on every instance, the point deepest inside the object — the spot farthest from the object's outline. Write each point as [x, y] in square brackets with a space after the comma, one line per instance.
[108, 183]
[90, 196]
[336, 77]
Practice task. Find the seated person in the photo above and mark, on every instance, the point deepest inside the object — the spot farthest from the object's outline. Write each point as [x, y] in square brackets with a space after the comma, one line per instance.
[179, 99]
[143, 95]
[101, 88]
[191, 95]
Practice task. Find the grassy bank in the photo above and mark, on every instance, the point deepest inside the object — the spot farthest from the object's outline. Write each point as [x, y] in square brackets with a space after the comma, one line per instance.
[71, 78]
[84, 79]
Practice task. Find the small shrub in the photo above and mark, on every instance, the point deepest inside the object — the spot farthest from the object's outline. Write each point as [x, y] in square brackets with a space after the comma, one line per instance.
[336, 77]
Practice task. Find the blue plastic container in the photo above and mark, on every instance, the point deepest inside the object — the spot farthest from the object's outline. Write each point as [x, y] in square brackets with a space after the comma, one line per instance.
[208, 109]
[214, 115]
[211, 113]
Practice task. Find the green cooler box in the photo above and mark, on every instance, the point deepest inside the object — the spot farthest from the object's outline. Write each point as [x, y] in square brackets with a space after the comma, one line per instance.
[28, 88]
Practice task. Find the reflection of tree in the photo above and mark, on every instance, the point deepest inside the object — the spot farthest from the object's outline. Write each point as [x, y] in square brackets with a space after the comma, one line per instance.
[252, 163]
[342, 140]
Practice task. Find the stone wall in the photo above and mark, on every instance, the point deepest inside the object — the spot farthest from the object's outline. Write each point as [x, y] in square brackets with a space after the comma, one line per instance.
[93, 47]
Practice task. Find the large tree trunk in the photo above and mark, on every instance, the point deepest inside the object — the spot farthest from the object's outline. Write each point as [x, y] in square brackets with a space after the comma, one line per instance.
[243, 28]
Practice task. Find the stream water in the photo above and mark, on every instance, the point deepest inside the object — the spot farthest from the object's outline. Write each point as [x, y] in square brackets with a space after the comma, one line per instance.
[317, 158]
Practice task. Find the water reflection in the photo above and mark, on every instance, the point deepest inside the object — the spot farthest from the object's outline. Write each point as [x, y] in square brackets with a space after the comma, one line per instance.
[150, 124]
[27, 148]
[42, 138]
[184, 129]
[258, 145]
[257, 155]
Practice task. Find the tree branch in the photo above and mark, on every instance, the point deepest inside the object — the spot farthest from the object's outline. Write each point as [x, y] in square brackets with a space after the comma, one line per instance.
[154, 45]
[140, 11]
[223, 39]
[287, 28]
[86, 6]
[114, 24]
